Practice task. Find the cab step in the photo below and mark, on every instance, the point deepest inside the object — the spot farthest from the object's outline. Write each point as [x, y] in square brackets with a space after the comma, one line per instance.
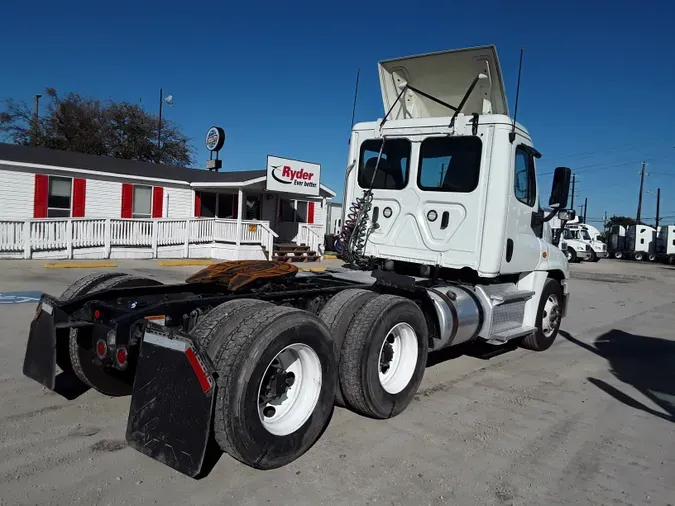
[505, 336]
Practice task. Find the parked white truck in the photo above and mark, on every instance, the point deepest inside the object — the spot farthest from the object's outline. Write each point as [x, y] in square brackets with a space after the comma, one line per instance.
[589, 235]
[665, 244]
[637, 242]
[445, 237]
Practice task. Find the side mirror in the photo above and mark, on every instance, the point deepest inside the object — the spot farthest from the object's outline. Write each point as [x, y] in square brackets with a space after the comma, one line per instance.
[561, 187]
[567, 215]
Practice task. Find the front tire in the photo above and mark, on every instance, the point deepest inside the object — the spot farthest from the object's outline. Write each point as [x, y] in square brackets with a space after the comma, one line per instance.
[594, 257]
[383, 357]
[549, 318]
[618, 255]
[571, 255]
[638, 256]
[277, 375]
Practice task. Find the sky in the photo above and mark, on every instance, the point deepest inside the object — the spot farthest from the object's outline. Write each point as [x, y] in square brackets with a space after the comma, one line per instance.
[596, 88]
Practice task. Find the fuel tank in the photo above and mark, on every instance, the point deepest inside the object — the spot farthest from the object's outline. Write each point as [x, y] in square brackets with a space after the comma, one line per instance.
[460, 314]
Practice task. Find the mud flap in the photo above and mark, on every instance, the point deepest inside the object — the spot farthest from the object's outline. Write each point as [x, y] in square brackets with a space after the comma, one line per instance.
[172, 401]
[39, 362]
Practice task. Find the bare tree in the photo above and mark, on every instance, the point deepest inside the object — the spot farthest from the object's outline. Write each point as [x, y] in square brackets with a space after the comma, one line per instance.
[75, 123]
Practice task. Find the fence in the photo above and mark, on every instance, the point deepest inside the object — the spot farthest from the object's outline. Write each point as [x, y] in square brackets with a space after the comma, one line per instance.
[100, 238]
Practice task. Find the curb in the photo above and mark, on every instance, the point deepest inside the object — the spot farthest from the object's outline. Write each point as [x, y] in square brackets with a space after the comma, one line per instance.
[80, 265]
[312, 269]
[330, 257]
[184, 263]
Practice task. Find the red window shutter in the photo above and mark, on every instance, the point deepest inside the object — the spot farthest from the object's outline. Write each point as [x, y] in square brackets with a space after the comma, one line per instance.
[310, 212]
[198, 204]
[157, 201]
[127, 200]
[79, 197]
[41, 196]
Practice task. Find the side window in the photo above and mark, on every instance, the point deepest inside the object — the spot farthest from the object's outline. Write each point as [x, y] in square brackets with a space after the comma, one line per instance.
[142, 201]
[59, 197]
[394, 166]
[525, 182]
[450, 164]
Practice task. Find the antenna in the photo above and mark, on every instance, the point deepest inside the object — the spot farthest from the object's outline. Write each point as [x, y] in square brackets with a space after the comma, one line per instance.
[356, 94]
[512, 135]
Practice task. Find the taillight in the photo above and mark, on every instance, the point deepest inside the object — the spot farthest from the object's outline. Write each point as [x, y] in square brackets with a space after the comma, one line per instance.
[97, 314]
[121, 357]
[101, 348]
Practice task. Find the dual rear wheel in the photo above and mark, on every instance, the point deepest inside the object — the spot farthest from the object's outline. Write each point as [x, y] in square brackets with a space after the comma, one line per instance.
[279, 369]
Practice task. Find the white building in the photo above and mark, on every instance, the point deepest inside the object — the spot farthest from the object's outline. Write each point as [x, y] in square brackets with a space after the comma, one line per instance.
[65, 197]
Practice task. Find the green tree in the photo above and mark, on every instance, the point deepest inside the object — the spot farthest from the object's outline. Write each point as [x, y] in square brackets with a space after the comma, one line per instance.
[85, 125]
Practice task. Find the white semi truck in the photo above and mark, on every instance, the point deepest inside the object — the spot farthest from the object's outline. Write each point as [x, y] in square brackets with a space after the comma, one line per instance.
[665, 244]
[589, 235]
[444, 235]
[637, 242]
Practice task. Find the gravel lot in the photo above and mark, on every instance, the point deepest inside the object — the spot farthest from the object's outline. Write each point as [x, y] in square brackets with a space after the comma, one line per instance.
[590, 421]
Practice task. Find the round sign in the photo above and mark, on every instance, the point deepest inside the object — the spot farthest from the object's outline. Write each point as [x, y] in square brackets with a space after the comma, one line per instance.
[215, 138]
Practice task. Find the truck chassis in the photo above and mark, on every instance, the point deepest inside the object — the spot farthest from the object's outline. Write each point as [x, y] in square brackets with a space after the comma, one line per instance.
[177, 371]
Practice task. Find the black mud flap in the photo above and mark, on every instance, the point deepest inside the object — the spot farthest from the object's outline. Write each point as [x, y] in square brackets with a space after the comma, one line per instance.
[172, 401]
[39, 363]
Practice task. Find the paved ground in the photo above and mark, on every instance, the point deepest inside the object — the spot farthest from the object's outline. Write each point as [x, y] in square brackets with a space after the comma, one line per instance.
[590, 421]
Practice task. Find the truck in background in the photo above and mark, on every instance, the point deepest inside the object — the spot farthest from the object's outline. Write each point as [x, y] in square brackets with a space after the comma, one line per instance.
[665, 244]
[637, 242]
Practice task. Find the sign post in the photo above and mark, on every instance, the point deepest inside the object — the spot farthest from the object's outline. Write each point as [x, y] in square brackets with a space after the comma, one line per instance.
[215, 138]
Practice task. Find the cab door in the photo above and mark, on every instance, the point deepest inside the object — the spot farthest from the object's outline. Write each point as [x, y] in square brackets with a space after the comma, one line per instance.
[522, 251]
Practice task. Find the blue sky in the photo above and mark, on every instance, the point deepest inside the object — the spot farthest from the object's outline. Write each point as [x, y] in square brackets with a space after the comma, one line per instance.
[596, 91]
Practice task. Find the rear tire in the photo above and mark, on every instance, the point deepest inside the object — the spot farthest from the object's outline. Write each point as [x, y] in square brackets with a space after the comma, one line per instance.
[651, 258]
[383, 356]
[246, 351]
[338, 313]
[618, 255]
[548, 318]
[638, 256]
[105, 380]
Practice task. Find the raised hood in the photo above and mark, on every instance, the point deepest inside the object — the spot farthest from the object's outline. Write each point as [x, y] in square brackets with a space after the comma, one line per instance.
[447, 76]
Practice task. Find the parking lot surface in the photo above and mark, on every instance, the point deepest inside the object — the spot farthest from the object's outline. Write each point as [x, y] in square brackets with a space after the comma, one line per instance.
[589, 421]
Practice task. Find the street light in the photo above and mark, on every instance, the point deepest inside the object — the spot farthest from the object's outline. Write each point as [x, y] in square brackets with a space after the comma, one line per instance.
[162, 101]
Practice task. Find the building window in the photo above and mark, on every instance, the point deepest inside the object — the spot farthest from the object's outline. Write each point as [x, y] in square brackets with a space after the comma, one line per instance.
[227, 206]
[59, 197]
[208, 201]
[301, 211]
[525, 183]
[142, 203]
[449, 164]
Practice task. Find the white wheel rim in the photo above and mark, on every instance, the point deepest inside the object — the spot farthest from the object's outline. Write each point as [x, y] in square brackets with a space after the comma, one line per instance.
[398, 358]
[550, 318]
[284, 413]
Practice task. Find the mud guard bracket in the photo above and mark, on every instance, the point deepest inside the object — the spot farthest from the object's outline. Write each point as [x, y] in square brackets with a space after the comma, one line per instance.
[172, 401]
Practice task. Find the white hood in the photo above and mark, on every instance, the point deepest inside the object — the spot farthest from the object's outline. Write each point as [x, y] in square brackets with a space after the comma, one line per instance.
[446, 76]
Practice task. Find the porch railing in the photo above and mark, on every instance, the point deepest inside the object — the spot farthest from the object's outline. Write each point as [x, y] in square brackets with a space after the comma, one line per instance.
[21, 239]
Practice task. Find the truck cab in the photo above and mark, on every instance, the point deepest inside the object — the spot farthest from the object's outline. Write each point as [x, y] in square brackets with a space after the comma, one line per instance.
[589, 235]
[455, 189]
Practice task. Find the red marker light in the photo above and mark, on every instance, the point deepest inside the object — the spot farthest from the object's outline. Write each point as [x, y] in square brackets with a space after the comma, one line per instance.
[121, 357]
[97, 314]
[101, 348]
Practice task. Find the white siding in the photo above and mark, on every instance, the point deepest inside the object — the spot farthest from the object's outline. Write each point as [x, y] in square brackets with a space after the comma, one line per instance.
[319, 213]
[179, 202]
[17, 190]
[103, 199]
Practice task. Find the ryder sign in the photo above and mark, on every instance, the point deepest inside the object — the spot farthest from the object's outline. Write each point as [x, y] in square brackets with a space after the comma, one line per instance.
[292, 176]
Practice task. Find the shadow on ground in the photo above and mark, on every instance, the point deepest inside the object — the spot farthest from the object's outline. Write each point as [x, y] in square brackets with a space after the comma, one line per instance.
[646, 363]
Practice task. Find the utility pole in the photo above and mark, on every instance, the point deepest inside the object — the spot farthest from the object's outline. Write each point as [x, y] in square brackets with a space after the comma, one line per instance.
[36, 118]
[642, 184]
[658, 205]
[585, 208]
[159, 127]
[574, 180]
[604, 223]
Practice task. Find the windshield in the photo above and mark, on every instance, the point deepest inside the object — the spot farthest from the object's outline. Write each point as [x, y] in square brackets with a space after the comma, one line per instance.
[567, 234]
